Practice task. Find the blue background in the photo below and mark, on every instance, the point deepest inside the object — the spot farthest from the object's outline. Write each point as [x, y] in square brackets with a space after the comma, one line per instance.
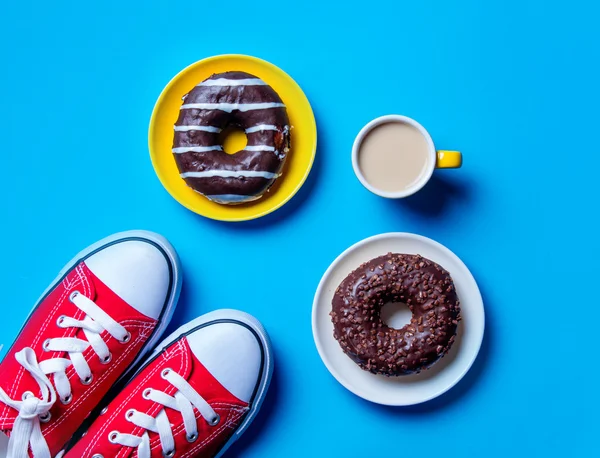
[513, 84]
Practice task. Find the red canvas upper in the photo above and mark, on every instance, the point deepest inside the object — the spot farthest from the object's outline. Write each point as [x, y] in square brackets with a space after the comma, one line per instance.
[41, 325]
[180, 359]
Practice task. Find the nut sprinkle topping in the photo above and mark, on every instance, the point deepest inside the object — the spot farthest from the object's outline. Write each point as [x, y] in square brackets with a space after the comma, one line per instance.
[428, 291]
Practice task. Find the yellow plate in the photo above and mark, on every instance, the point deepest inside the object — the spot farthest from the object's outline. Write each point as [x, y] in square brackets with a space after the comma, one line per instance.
[298, 164]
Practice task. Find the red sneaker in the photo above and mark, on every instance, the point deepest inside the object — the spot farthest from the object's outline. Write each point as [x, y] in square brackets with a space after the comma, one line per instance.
[106, 309]
[194, 396]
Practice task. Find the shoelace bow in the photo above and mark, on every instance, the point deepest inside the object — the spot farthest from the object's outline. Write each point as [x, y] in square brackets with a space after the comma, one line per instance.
[184, 401]
[26, 431]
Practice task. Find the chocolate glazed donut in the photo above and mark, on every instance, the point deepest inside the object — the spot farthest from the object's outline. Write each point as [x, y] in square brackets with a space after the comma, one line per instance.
[223, 100]
[424, 286]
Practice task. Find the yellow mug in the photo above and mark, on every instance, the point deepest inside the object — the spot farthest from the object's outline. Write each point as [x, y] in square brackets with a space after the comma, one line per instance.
[441, 159]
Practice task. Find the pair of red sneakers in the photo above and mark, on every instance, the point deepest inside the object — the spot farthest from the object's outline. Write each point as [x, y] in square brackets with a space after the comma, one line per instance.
[80, 380]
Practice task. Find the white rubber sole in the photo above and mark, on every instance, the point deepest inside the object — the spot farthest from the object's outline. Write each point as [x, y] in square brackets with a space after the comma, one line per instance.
[267, 372]
[173, 293]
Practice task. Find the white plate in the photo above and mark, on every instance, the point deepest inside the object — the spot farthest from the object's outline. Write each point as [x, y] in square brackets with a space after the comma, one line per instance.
[409, 389]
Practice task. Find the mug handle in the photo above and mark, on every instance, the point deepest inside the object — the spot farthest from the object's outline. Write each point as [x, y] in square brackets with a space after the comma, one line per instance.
[448, 159]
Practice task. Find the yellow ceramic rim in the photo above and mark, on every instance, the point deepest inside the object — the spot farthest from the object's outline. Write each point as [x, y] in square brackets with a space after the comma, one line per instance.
[298, 165]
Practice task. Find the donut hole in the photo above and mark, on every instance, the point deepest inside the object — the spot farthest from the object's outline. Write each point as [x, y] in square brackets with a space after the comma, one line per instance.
[396, 315]
[233, 139]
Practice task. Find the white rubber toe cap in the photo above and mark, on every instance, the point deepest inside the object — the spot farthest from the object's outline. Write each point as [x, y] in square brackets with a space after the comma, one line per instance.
[232, 354]
[137, 271]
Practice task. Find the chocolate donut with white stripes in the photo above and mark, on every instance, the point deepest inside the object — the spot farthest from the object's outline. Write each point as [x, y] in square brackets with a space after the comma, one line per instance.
[221, 101]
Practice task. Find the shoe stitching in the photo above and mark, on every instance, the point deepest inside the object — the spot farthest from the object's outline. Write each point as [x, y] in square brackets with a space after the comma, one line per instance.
[153, 411]
[37, 337]
[79, 313]
[235, 411]
[91, 445]
[105, 374]
[100, 432]
[179, 348]
[84, 280]
[89, 392]
[132, 324]
[70, 370]
[124, 451]
[229, 421]
[180, 428]
[58, 304]
[195, 449]
[141, 325]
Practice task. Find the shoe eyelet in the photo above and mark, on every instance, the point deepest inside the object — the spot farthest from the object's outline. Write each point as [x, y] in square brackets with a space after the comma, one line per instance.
[146, 393]
[45, 418]
[126, 339]
[97, 455]
[45, 345]
[27, 394]
[215, 421]
[73, 295]
[112, 437]
[191, 437]
[169, 454]
[129, 414]
[88, 380]
[106, 360]
[84, 434]
[165, 372]
[59, 321]
[67, 399]
[104, 410]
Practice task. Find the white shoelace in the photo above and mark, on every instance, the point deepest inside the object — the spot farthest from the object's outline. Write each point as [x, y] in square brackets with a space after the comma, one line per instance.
[26, 430]
[184, 401]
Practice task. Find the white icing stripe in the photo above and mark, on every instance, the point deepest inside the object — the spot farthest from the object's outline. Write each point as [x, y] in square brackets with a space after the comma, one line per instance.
[230, 174]
[260, 128]
[197, 149]
[230, 82]
[229, 107]
[215, 130]
[232, 198]
[259, 148]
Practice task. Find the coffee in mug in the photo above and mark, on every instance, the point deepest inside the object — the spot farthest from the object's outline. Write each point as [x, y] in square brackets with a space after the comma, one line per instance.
[393, 156]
